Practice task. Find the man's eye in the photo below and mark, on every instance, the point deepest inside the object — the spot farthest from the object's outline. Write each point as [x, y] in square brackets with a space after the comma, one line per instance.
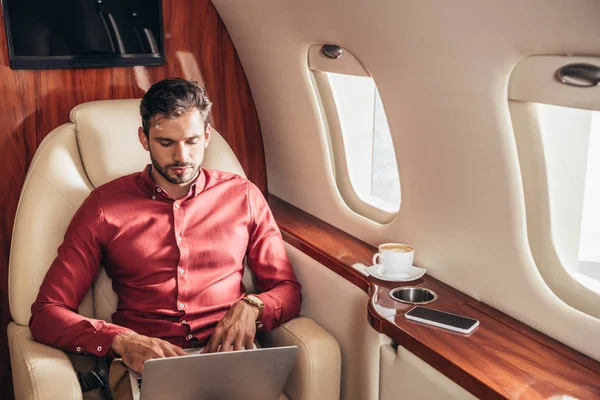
[165, 144]
[194, 141]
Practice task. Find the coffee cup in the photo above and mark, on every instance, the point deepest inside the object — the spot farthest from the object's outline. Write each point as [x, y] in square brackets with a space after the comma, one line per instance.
[394, 258]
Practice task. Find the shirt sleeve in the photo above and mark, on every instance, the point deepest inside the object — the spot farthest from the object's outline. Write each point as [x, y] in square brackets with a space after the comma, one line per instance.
[279, 289]
[54, 319]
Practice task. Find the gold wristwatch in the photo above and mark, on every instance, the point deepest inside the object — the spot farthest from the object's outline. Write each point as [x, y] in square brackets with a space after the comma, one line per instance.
[257, 302]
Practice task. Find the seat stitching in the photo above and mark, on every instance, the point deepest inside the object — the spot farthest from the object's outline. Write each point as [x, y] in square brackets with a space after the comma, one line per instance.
[53, 188]
[100, 293]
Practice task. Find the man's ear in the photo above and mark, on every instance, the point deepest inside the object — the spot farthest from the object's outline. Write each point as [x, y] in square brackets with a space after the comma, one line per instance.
[143, 139]
[207, 134]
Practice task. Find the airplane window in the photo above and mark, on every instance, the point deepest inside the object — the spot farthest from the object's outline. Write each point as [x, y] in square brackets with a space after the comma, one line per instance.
[589, 244]
[572, 146]
[370, 155]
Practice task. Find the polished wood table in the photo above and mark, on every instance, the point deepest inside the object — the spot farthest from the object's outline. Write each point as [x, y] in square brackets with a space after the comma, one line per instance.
[502, 358]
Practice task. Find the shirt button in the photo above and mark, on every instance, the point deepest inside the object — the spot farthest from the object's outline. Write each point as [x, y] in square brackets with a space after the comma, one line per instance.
[153, 197]
[189, 337]
[99, 348]
[179, 238]
[158, 190]
[176, 205]
[181, 305]
[182, 322]
[78, 348]
[181, 270]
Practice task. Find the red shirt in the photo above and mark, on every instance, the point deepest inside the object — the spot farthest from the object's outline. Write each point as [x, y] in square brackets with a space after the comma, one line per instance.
[176, 265]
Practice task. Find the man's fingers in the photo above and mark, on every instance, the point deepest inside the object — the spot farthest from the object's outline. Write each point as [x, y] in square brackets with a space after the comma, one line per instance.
[136, 362]
[214, 342]
[209, 346]
[131, 364]
[227, 341]
[169, 351]
[179, 351]
[239, 343]
[137, 365]
[249, 342]
[175, 351]
[137, 349]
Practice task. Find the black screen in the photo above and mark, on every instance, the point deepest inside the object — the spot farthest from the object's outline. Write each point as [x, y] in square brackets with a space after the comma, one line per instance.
[83, 33]
[442, 317]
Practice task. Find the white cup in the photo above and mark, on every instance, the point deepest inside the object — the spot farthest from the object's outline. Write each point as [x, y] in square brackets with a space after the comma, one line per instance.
[395, 258]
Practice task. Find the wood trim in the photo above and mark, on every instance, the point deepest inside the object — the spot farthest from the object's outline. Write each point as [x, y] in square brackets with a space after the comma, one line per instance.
[330, 246]
[539, 337]
[503, 358]
[495, 361]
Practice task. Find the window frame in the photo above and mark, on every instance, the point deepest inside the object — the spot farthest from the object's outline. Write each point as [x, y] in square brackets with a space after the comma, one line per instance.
[369, 206]
[529, 86]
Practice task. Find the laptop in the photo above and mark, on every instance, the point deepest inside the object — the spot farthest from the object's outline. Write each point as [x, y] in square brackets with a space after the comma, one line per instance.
[246, 374]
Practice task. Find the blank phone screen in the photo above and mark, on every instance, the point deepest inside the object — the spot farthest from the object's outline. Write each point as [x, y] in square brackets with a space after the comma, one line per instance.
[442, 317]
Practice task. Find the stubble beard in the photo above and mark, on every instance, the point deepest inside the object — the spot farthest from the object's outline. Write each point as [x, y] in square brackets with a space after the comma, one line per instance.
[177, 179]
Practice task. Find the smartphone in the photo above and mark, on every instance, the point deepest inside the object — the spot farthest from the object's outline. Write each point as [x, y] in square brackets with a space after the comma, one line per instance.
[442, 319]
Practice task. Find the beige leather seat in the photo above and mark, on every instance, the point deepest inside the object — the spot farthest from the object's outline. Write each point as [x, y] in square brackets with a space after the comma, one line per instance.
[98, 145]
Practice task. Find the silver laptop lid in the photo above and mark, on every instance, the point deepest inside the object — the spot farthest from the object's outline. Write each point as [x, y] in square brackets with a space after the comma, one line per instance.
[249, 374]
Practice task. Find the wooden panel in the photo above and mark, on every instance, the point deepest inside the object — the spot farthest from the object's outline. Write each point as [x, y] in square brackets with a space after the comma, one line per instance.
[496, 361]
[538, 336]
[197, 47]
[323, 242]
[503, 358]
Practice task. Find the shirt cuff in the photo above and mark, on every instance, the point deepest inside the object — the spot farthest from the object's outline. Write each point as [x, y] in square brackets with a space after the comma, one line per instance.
[271, 313]
[101, 341]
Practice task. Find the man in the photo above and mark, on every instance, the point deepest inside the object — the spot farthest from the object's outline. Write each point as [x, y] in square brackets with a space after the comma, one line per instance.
[173, 239]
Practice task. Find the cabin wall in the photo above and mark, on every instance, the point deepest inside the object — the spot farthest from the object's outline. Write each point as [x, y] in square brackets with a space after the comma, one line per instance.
[442, 69]
[33, 103]
[340, 307]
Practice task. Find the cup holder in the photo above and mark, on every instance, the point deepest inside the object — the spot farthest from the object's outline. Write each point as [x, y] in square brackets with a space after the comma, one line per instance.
[413, 295]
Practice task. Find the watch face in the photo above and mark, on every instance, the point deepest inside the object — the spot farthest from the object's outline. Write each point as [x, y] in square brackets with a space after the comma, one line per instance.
[257, 300]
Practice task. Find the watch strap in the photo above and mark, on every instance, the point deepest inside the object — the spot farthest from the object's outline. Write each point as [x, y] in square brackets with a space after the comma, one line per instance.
[257, 302]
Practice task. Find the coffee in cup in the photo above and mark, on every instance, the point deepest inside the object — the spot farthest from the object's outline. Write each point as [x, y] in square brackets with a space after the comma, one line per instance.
[394, 258]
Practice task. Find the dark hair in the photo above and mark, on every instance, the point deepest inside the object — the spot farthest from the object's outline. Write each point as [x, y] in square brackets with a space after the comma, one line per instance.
[171, 98]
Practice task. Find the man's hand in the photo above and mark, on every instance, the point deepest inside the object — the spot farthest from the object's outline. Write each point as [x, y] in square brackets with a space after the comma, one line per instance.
[237, 328]
[135, 349]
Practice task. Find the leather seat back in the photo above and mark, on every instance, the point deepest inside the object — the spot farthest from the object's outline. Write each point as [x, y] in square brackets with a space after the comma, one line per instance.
[98, 145]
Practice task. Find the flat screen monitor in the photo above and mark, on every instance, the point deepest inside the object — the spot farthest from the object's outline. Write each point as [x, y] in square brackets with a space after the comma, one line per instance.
[83, 33]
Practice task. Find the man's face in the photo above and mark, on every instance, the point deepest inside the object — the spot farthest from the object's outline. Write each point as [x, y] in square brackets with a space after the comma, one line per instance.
[177, 146]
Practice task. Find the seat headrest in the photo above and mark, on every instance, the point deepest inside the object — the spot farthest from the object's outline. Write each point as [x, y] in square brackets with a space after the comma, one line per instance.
[109, 146]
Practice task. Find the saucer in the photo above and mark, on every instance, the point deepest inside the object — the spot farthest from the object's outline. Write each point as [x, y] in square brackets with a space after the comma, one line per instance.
[411, 274]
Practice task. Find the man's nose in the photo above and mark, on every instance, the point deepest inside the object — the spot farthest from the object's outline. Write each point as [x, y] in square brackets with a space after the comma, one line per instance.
[180, 154]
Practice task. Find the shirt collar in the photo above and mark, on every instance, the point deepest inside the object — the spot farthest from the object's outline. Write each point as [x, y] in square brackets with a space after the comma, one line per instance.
[153, 189]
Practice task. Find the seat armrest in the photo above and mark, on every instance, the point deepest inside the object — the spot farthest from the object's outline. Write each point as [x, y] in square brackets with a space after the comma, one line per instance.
[316, 372]
[40, 371]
